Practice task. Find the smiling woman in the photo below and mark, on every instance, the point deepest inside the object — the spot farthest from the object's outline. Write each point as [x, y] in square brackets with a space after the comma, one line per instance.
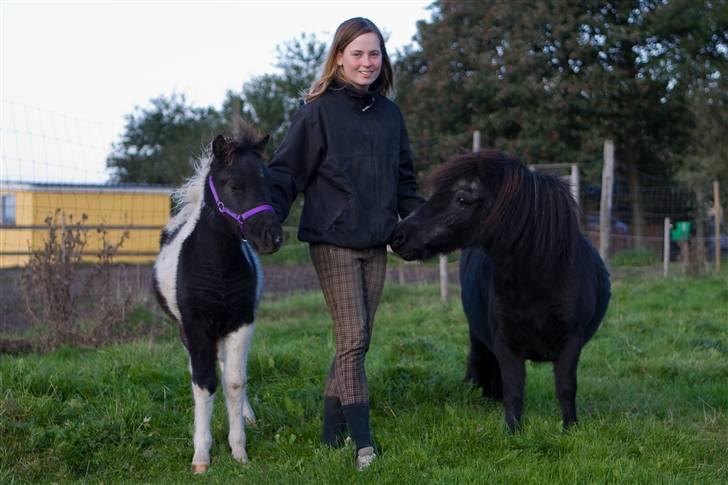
[361, 60]
[347, 149]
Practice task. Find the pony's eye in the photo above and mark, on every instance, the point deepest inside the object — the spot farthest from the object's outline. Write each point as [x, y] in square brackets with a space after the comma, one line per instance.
[461, 201]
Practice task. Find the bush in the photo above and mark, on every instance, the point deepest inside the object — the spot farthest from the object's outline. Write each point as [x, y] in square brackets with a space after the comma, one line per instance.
[55, 290]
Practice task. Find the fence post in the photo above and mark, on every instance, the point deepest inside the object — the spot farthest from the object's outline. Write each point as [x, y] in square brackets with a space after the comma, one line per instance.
[575, 182]
[717, 214]
[605, 206]
[443, 278]
[666, 247]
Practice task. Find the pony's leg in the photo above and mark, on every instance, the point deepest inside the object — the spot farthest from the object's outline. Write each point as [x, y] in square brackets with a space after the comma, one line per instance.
[513, 374]
[565, 376]
[233, 357]
[204, 383]
[483, 369]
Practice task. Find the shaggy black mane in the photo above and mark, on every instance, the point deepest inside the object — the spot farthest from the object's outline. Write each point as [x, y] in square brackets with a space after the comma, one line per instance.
[534, 215]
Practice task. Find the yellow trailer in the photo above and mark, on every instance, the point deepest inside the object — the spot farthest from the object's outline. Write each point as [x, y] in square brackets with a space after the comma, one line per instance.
[141, 210]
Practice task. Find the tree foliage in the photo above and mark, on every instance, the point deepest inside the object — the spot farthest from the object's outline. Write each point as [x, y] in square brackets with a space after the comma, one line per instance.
[551, 80]
[271, 100]
[160, 142]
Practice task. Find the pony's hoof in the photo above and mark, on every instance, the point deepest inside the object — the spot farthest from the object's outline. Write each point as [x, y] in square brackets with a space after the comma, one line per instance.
[240, 456]
[198, 468]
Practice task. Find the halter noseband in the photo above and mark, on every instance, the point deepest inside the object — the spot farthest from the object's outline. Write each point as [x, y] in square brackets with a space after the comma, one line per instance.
[239, 218]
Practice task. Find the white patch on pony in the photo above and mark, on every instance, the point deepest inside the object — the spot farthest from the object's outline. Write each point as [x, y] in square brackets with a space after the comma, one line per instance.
[233, 356]
[471, 185]
[202, 437]
[188, 199]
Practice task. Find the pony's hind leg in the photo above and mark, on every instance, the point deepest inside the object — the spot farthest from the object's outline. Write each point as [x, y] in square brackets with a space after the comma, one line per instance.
[204, 383]
[233, 359]
[565, 376]
[483, 370]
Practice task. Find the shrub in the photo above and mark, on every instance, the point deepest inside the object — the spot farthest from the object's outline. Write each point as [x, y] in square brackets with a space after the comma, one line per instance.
[54, 289]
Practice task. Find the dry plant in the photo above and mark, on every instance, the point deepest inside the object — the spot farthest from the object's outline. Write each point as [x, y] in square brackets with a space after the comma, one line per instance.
[56, 291]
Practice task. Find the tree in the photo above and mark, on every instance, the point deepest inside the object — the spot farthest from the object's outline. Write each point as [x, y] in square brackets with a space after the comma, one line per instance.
[651, 57]
[270, 101]
[160, 143]
[502, 70]
[550, 81]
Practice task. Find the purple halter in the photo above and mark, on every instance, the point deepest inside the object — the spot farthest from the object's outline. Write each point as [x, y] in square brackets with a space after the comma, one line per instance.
[239, 218]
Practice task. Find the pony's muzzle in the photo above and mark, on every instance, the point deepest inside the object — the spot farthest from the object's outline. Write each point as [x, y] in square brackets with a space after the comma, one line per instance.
[402, 244]
[271, 240]
[399, 237]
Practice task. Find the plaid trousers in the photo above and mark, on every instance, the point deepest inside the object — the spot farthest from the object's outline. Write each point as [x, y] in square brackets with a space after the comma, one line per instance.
[352, 281]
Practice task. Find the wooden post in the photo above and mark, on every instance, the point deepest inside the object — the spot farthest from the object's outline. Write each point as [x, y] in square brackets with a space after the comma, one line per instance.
[666, 247]
[575, 182]
[605, 207]
[443, 278]
[476, 140]
[235, 119]
[718, 216]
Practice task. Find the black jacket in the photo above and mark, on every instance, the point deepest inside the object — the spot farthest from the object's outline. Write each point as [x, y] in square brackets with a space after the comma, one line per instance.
[349, 153]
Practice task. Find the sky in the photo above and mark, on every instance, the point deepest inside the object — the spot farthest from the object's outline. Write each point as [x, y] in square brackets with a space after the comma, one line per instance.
[72, 70]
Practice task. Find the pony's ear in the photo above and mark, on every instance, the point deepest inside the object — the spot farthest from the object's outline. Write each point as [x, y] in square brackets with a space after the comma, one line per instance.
[259, 147]
[219, 147]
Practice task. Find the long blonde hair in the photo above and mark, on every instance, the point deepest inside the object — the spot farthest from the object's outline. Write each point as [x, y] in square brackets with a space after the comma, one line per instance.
[345, 34]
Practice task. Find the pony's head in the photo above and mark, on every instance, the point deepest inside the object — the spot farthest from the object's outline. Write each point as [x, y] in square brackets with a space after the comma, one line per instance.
[489, 199]
[236, 186]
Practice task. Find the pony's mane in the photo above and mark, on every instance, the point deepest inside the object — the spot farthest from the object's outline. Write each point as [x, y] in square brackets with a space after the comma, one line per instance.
[447, 174]
[534, 215]
[188, 198]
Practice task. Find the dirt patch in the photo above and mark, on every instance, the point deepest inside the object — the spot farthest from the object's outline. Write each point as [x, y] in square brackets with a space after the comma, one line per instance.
[136, 280]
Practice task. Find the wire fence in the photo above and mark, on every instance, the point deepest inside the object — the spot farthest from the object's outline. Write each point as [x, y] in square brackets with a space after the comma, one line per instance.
[53, 166]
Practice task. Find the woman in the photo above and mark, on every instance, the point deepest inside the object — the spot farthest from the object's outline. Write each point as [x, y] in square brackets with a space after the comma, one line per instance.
[347, 150]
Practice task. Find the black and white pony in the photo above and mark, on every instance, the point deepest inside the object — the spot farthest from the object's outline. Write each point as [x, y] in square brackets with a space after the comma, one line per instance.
[207, 277]
[533, 287]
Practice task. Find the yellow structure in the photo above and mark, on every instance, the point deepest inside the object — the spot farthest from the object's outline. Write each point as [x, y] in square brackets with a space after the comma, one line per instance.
[141, 210]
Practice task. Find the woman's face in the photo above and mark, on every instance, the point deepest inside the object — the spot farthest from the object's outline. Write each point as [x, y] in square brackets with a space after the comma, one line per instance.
[361, 60]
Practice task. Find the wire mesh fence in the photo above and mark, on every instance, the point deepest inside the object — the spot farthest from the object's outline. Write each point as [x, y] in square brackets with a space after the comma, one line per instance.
[53, 164]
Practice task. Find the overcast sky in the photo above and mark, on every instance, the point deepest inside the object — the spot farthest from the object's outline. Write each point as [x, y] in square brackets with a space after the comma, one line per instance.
[71, 71]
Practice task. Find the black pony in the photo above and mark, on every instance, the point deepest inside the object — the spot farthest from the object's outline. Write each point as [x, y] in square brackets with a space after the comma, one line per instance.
[208, 277]
[533, 287]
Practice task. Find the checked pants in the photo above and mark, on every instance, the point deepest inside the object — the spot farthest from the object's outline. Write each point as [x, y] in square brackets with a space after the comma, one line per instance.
[352, 281]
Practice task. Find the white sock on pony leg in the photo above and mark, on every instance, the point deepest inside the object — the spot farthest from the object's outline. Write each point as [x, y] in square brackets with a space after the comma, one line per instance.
[233, 363]
[202, 437]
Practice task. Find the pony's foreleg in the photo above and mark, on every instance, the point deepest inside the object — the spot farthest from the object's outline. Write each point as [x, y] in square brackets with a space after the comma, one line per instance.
[565, 376]
[204, 383]
[233, 360]
[513, 373]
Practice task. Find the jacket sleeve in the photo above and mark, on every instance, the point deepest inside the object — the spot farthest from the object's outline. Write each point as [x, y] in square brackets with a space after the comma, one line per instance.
[408, 200]
[294, 161]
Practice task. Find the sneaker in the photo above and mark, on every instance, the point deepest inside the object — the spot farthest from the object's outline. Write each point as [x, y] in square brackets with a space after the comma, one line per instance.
[365, 457]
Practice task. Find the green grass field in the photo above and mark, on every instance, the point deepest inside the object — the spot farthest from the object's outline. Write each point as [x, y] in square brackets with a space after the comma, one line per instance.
[652, 400]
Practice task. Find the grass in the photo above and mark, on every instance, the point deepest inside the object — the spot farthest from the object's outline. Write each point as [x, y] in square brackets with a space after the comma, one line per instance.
[653, 395]
[635, 258]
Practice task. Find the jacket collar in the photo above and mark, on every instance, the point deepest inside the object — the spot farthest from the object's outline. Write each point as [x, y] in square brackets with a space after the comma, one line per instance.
[360, 99]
